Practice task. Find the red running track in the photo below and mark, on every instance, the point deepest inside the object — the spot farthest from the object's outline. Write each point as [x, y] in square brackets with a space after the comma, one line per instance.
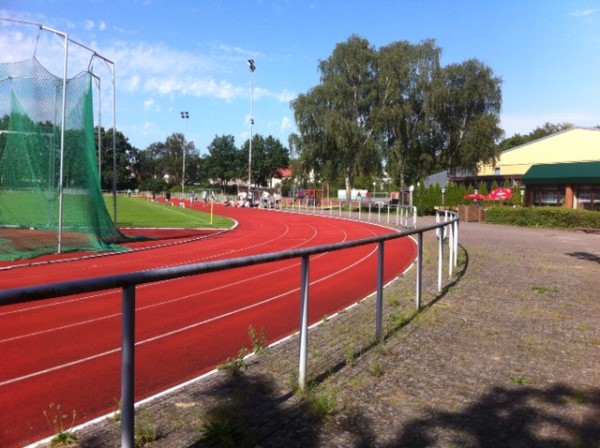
[66, 351]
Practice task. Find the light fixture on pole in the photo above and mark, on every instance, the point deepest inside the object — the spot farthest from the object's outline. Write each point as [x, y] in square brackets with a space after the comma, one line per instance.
[185, 116]
[251, 67]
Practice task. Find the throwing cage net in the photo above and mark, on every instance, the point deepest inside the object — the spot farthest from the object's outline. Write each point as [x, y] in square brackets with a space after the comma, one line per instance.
[50, 193]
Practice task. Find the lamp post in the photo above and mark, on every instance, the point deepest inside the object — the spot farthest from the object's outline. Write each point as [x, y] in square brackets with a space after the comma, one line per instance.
[251, 67]
[443, 194]
[185, 116]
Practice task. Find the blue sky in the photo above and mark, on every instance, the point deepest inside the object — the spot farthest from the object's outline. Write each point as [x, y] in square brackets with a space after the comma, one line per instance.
[175, 55]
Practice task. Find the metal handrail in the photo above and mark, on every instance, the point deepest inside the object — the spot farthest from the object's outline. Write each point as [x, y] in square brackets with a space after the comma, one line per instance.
[128, 283]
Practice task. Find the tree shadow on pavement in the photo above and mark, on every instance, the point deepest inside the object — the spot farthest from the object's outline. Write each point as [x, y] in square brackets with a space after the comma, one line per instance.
[528, 417]
[248, 411]
[585, 256]
[524, 417]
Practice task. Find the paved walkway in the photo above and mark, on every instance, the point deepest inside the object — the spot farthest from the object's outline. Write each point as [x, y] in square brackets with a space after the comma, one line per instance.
[508, 355]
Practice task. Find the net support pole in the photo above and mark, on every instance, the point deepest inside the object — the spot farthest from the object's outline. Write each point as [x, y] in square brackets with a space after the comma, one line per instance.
[62, 144]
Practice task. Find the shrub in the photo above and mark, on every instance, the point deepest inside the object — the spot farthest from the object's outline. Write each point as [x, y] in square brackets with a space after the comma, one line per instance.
[548, 217]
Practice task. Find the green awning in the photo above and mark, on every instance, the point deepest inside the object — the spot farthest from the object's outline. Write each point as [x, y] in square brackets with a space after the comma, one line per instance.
[563, 173]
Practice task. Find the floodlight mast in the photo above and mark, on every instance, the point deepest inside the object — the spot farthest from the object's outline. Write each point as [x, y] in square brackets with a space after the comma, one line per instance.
[251, 67]
[185, 116]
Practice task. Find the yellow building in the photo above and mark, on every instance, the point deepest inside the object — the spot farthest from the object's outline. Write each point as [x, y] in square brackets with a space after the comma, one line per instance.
[560, 169]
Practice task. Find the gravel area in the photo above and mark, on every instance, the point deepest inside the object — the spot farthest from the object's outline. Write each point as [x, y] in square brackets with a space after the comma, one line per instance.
[507, 355]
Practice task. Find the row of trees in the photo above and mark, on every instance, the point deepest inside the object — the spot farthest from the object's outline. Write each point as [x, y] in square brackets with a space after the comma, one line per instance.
[160, 166]
[396, 109]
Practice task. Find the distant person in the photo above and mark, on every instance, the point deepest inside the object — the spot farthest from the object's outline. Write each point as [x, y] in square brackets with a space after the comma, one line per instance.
[168, 197]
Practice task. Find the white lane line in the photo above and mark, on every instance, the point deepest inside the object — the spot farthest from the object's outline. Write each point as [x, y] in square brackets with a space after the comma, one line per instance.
[165, 302]
[186, 328]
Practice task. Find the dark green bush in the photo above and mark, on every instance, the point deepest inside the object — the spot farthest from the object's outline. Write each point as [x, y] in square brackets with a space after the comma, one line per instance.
[548, 217]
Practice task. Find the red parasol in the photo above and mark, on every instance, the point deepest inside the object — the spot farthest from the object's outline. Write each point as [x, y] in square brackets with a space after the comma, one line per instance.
[501, 194]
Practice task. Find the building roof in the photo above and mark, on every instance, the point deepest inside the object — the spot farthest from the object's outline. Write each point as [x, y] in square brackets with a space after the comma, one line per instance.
[569, 146]
[563, 173]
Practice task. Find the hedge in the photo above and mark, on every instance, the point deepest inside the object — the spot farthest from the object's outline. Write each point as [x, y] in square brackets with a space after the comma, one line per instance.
[548, 217]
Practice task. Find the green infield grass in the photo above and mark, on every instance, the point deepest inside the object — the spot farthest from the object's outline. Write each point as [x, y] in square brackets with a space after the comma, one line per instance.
[138, 213]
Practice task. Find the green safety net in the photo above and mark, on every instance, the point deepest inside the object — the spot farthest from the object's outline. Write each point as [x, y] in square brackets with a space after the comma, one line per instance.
[31, 120]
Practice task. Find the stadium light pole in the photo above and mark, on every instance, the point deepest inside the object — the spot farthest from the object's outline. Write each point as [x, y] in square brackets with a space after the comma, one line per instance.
[251, 67]
[185, 116]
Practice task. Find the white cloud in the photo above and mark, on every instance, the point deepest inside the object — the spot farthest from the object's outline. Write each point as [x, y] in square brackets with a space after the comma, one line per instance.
[286, 125]
[102, 25]
[585, 12]
[148, 104]
[132, 84]
[89, 25]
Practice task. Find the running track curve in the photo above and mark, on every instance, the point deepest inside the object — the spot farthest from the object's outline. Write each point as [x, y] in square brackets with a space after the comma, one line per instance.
[66, 351]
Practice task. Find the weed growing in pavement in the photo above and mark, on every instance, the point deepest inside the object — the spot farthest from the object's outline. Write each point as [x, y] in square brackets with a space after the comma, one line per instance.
[401, 319]
[349, 355]
[579, 396]
[145, 431]
[543, 289]
[56, 419]
[116, 417]
[376, 368]
[521, 380]
[259, 344]
[321, 404]
[234, 366]
[222, 434]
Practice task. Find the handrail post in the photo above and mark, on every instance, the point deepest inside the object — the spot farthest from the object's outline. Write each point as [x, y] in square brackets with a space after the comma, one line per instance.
[302, 363]
[455, 243]
[379, 312]
[128, 369]
[440, 257]
[419, 271]
[450, 249]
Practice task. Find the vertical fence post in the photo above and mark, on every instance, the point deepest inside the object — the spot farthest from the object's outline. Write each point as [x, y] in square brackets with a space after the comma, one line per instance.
[440, 256]
[450, 229]
[419, 271]
[455, 243]
[379, 312]
[128, 369]
[302, 363]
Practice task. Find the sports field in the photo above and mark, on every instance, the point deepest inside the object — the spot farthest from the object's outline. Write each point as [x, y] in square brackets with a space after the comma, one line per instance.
[67, 351]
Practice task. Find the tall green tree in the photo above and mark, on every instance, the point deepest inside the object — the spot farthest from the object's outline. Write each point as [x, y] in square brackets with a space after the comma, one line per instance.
[224, 162]
[468, 101]
[405, 116]
[268, 157]
[335, 118]
[128, 165]
[165, 159]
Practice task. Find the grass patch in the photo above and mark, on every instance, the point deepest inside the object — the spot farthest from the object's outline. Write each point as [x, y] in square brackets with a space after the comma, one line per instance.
[137, 213]
[543, 289]
[521, 380]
